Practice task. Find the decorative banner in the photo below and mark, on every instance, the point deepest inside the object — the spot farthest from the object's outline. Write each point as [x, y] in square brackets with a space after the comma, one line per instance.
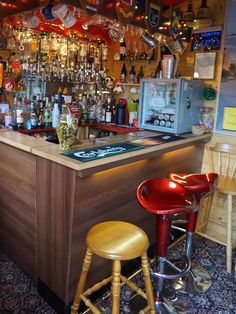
[175, 24]
[47, 12]
[91, 6]
[125, 10]
[153, 9]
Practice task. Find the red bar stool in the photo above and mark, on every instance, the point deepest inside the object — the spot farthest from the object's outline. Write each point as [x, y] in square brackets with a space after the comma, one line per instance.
[201, 185]
[165, 198]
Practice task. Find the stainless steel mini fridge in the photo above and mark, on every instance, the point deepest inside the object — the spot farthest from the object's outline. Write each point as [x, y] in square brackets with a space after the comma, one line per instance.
[170, 105]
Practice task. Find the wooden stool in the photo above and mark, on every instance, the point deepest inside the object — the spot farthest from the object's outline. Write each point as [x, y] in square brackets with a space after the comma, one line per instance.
[117, 241]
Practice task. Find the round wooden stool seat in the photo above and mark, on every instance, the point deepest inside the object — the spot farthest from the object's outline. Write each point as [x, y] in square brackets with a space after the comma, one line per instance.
[117, 240]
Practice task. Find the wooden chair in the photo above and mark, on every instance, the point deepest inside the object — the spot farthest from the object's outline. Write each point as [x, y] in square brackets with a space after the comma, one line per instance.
[222, 159]
[117, 241]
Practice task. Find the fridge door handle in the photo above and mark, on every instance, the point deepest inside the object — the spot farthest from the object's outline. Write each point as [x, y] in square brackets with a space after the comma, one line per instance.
[188, 101]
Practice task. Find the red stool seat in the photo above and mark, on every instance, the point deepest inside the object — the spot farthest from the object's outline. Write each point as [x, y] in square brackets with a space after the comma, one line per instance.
[165, 197]
[200, 184]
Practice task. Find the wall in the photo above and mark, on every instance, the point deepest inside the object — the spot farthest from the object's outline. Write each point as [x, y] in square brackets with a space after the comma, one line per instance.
[216, 226]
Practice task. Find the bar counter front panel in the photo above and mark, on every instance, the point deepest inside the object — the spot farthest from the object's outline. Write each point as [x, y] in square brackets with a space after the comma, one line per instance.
[57, 205]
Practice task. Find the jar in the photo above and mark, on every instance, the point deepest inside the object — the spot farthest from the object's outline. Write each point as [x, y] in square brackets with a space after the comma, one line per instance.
[206, 118]
[67, 131]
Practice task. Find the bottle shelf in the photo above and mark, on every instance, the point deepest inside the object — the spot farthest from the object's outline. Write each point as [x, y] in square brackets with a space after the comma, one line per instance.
[13, 91]
[124, 129]
[37, 130]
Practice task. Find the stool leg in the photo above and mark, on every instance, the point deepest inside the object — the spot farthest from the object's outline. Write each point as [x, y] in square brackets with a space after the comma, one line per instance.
[197, 280]
[148, 284]
[229, 233]
[116, 265]
[207, 212]
[82, 280]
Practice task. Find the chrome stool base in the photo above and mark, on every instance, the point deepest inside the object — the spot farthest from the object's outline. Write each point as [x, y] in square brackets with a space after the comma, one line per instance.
[196, 281]
[166, 308]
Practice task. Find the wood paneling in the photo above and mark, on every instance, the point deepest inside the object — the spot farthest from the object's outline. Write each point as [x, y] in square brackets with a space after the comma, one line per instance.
[55, 201]
[68, 205]
[17, 207]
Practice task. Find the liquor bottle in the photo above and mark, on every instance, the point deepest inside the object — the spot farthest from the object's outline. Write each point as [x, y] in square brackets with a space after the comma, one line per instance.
[121, 113]
[188, 15]
[103, 114]
[19, 114]
[33, 116]
[123, 74]
[108, 113]
[91, 109]
[41, 115]
[132, 75]
[84, 111]
[113, 110]
[55, 115]
[140, 74]
[158, 71]
[46, 115]
[204, 11]
[122, 50]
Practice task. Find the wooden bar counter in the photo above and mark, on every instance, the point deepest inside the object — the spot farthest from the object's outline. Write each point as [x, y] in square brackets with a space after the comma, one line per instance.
[48, 202]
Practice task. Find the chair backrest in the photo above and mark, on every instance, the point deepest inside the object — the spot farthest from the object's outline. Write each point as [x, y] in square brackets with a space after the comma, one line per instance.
[222, 159]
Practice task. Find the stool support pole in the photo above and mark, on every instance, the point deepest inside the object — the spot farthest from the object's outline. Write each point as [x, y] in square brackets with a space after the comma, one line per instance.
[163, 228]
[189, 244]
[81, 283]
[116, 269]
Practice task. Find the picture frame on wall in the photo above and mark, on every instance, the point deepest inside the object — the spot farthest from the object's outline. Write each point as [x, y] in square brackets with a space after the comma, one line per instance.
[204, 66]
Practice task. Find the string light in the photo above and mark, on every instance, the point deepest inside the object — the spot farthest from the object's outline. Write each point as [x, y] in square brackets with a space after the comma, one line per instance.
[8, 5]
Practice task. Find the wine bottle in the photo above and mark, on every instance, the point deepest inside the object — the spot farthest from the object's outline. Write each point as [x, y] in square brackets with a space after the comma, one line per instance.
[113, 110]
[108, 114]
[188, 15]
[158, 71]
[132, 75]
[122, 50]
[123, 74]
[140, 74]
[204, 12]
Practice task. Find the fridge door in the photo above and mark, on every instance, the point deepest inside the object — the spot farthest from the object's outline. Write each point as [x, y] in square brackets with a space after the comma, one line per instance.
[191, 101]
[158, 104]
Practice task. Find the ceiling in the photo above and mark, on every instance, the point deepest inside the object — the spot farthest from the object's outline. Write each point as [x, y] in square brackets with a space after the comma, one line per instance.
[19, 12]
[11, 7]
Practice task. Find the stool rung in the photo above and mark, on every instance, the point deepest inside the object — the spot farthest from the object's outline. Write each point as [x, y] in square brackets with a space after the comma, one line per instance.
[133, 287]
[89, 304]
[97, 286]
[145, 310]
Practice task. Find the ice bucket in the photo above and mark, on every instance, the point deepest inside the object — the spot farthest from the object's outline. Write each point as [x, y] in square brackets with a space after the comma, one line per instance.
[168, 68]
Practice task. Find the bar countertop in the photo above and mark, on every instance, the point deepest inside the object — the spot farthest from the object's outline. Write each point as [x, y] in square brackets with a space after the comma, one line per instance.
[50, 151]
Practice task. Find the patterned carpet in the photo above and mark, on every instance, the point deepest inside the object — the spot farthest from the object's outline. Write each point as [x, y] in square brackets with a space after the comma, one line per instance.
[18, 293]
